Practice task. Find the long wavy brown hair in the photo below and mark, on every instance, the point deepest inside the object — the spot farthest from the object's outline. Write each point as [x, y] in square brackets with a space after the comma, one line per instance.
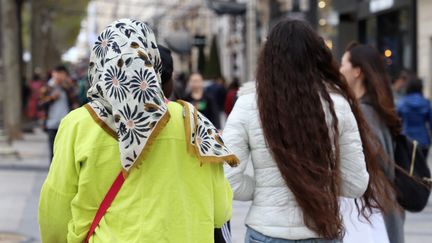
[295, 74]
[377, 83]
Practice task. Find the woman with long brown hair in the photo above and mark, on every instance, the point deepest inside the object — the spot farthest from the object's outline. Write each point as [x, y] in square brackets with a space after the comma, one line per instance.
[307, 140]
[366, 74]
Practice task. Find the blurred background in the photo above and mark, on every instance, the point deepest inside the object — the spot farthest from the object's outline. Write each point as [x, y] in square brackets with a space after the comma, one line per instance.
[214, 37]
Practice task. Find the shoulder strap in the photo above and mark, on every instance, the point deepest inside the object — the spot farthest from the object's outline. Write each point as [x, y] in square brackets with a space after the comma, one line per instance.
[109, 197]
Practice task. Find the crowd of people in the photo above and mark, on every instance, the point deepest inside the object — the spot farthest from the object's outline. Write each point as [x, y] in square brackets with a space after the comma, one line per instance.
[48, 102]
[142, 160]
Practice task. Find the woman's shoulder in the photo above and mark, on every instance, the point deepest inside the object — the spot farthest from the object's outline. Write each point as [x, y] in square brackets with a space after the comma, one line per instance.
[246, 96]
[246, 102]
[78, 116]
[247, 88]
[80, 128]
[340, 103]
[175, 107]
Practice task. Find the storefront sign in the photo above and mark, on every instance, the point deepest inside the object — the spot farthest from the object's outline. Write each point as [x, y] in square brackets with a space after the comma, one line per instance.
[380, 5]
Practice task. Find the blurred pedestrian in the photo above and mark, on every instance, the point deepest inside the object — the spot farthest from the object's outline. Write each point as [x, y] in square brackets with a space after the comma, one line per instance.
[304, 133]
[416, 114]
[72, 91]
[82, 88]
[32, 111]
[179, 84]
[399, 84]
[164, 158]
[202, 101]
[55, 101]
[166, 71]
[365, 72]
[218, 91]
[231, 96]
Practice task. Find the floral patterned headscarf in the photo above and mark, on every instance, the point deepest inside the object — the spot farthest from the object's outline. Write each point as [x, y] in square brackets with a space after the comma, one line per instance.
[127, 101]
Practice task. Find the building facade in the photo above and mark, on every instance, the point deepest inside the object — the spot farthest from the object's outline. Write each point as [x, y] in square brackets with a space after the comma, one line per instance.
[389, 25]
[424, 44]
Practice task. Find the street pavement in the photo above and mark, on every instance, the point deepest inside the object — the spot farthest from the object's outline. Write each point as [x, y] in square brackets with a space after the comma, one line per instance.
[21, 180]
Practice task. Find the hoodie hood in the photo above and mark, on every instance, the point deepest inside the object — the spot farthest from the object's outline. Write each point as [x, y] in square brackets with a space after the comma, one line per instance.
[416, 101]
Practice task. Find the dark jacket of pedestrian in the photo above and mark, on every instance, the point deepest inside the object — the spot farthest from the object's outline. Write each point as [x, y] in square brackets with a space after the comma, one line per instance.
[218, 92]
[231, 96]
[416, 114]
[207, 106]
[394, 221]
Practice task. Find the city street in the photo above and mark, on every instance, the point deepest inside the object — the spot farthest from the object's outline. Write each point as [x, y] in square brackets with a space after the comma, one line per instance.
[307, 61]
[21, 181]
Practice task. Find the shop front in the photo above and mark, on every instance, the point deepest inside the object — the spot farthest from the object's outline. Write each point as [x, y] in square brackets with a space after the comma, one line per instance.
[389, 25]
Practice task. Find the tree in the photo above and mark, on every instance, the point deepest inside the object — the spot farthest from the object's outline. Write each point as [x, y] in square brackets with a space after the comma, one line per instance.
[11, 92]
[55, 26]
[212, 67]
[38, 32]
[201, 59]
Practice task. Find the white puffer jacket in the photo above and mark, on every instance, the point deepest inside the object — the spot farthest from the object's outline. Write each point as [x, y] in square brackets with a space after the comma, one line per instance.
[274, 211]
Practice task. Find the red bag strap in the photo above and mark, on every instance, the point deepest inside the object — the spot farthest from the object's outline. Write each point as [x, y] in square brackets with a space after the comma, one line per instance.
[109, 197]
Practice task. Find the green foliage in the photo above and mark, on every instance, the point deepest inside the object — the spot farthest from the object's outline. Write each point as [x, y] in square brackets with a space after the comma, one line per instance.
[201, 60]
[212, 68]
[26, 17]
[66, 21]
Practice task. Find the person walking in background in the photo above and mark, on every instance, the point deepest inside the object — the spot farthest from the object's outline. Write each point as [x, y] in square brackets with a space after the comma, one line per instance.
[416, 114]
[399, 84]
[364, 69]
[71, 88]
[82, 91]
[32, 111]
[81, 85]
[218, 91]
[55, 100]
[231, 96]
[168, 164]
[202, 101]
[304, 132]
[179, 84]
[166, 71]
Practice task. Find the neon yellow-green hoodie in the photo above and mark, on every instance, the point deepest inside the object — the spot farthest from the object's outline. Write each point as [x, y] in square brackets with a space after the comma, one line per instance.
[169, 197]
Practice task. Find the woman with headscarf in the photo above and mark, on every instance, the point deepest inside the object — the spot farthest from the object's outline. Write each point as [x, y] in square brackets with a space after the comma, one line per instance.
[164, 158]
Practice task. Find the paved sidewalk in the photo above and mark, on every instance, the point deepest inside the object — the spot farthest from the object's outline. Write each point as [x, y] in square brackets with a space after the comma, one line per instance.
[33, 153]
[19, 203]
[21, 180]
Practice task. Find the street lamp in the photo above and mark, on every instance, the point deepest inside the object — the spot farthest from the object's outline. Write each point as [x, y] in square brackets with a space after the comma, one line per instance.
[230, 8]
[235, 9]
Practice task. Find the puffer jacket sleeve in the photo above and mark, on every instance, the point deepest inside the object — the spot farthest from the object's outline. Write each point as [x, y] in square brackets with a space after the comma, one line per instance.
[236, 138]
[354, 175]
